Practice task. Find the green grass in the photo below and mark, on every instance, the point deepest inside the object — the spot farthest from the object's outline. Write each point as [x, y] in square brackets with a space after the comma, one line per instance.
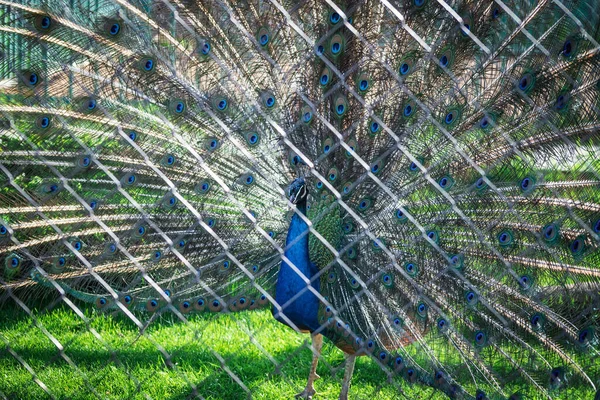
[192, 348]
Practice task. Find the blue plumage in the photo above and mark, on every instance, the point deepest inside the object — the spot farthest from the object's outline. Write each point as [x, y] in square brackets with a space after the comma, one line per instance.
[303, 310]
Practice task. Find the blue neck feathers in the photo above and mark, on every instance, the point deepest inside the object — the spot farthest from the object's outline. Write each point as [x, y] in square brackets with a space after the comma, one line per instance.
[303, 310]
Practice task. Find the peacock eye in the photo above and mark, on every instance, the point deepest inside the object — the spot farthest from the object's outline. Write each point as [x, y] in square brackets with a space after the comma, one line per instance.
[115, 29]
[404, 69]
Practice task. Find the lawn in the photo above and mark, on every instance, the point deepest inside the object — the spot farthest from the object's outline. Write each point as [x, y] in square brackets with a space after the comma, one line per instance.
[171, 358]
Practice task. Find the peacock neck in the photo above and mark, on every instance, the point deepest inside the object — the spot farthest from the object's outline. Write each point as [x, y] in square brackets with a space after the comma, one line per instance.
[302, 311]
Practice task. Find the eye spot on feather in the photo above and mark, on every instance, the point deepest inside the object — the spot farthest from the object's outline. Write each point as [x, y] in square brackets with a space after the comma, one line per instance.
[387, 280]
[401, 215]
[471, 298]
[537, 322]
[586, 337]
[205, 50]
[13, 261]
[505, 238]
[411, 269]
[596, 226]
[43, 23]
[577, 246]
[404, 68]
[434, 236]
[332, 277]
[101, 302]
[525, 282]
[480, 339]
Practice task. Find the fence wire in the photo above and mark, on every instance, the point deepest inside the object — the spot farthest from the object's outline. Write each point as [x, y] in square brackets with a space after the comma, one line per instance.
[167, 22]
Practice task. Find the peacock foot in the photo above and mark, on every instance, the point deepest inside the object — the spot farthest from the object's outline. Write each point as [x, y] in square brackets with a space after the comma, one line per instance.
[307, 393]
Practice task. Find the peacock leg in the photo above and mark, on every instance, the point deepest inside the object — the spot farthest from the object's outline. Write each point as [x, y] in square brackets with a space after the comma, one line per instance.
[350, 360]
[308, 393]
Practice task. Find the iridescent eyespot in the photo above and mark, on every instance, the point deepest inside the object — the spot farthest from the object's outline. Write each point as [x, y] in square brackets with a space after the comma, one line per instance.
[537, 321]
[13, 261]
[411, 269]
[505, 238]
[596, 226]
[442, 325]
[179, 107]
[388, 280]
[561, 102]
[586, 336]
[526, 82]
[375, 127]
[525, 282]
[331, 277]
[480, 338]
[404, 68]
[577, 246]
[334, 18]
[263, 36]
[148, 64]
[252, 138]
[43, 23]
[43, 121]
[444, 60]
[202, 187]
[471, 298]
[433, 235]
[401, 215]
[114, 29]
[269, 101]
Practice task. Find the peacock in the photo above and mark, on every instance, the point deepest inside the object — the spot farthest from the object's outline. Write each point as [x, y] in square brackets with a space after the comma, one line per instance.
[416, 181]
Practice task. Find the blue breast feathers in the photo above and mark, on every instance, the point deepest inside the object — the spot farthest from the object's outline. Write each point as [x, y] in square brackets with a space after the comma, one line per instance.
[302, 311]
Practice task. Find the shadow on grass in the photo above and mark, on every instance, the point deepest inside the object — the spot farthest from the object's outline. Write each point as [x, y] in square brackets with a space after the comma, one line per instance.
[204, 369]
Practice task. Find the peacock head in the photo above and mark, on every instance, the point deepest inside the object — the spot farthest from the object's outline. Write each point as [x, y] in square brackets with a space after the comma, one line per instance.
[297, 191]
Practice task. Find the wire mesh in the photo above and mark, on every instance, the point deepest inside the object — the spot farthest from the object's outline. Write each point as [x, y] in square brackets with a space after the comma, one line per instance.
[163, 310]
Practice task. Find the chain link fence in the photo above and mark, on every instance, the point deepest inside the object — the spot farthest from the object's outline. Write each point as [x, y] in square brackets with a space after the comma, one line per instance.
[65, 345]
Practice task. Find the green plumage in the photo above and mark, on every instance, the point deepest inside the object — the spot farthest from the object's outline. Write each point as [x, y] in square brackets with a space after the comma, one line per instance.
[328, 224]
[449, 150]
